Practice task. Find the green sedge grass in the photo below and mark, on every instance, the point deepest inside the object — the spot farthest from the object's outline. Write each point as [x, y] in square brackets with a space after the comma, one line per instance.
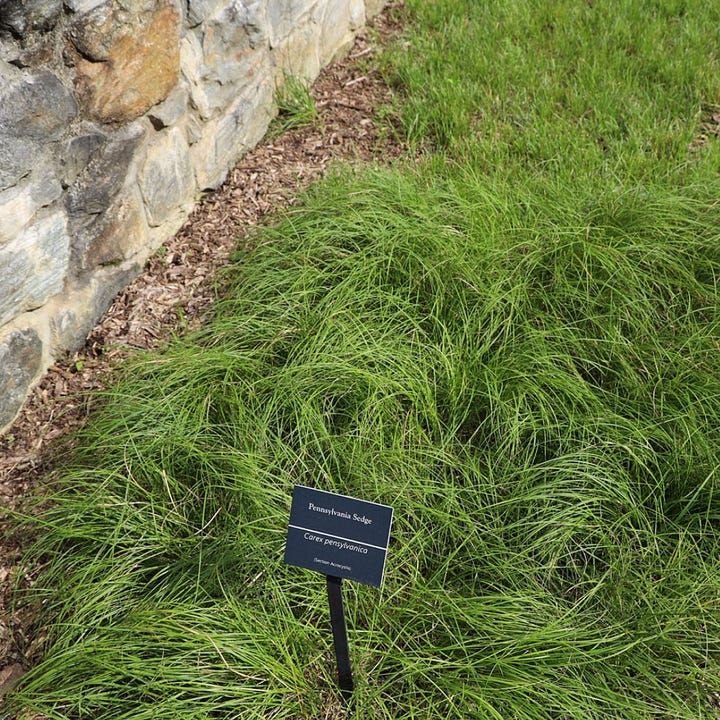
[560, 88]
[514, 344]
[538, 396]
[295, 105]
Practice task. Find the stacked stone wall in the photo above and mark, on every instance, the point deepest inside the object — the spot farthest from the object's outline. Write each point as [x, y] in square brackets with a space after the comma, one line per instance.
[115, 115]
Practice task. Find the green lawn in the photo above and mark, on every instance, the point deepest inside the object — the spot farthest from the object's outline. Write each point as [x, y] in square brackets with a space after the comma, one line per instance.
[514, 341]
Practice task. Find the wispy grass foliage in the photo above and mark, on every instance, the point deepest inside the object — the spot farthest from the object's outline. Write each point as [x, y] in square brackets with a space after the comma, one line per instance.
[564, 88]
[515, 344]
[295, 105]
[535, 388]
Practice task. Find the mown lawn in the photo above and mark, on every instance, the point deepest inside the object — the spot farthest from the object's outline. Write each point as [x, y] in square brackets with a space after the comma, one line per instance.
[514, 341]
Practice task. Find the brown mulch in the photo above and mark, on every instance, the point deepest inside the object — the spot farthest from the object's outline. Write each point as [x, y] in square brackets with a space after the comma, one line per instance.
[176, 290]
[708, 127]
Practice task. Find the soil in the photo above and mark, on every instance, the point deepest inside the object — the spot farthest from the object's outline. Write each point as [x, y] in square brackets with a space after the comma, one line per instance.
[176, 292]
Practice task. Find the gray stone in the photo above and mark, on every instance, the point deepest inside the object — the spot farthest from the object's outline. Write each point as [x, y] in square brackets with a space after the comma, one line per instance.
[93, 190]
[92, 32]
[234, 54]
[35, 106]
[10, 50]
[84, 304]
[34, 265]
[77, 153]
[193, 129]
[225, 140]
[111, 237]
[8, 72]
[199, 10]
[34, 110]
[21, 359]
[34, 50]
[166, 180]
[19, 204]
[22, 16]
[45, 187]
[169, 111]
[19, 157]
[82, 7]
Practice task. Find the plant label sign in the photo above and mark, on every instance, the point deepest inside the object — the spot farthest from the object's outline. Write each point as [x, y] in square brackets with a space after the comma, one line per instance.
[338, 535]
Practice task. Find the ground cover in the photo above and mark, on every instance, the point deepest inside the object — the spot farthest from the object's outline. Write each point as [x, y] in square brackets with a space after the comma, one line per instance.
[514, 342]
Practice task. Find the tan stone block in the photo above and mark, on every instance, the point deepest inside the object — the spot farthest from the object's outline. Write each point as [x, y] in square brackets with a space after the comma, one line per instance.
[340, 20]
[298, 54]
[373, 8]
[141, 68]
[285, 16]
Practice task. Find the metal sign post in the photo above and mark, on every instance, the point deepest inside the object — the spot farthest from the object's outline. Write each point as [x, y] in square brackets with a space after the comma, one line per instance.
[340, 639]
[341, 537]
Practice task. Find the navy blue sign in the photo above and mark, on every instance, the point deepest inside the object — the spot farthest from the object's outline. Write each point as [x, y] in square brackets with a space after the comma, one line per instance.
[338, 535]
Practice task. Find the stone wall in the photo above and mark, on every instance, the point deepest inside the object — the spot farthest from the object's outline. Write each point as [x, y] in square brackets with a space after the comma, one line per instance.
[114, 116]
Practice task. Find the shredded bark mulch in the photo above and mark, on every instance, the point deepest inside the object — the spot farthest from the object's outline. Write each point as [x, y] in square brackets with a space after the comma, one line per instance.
[177, 290]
